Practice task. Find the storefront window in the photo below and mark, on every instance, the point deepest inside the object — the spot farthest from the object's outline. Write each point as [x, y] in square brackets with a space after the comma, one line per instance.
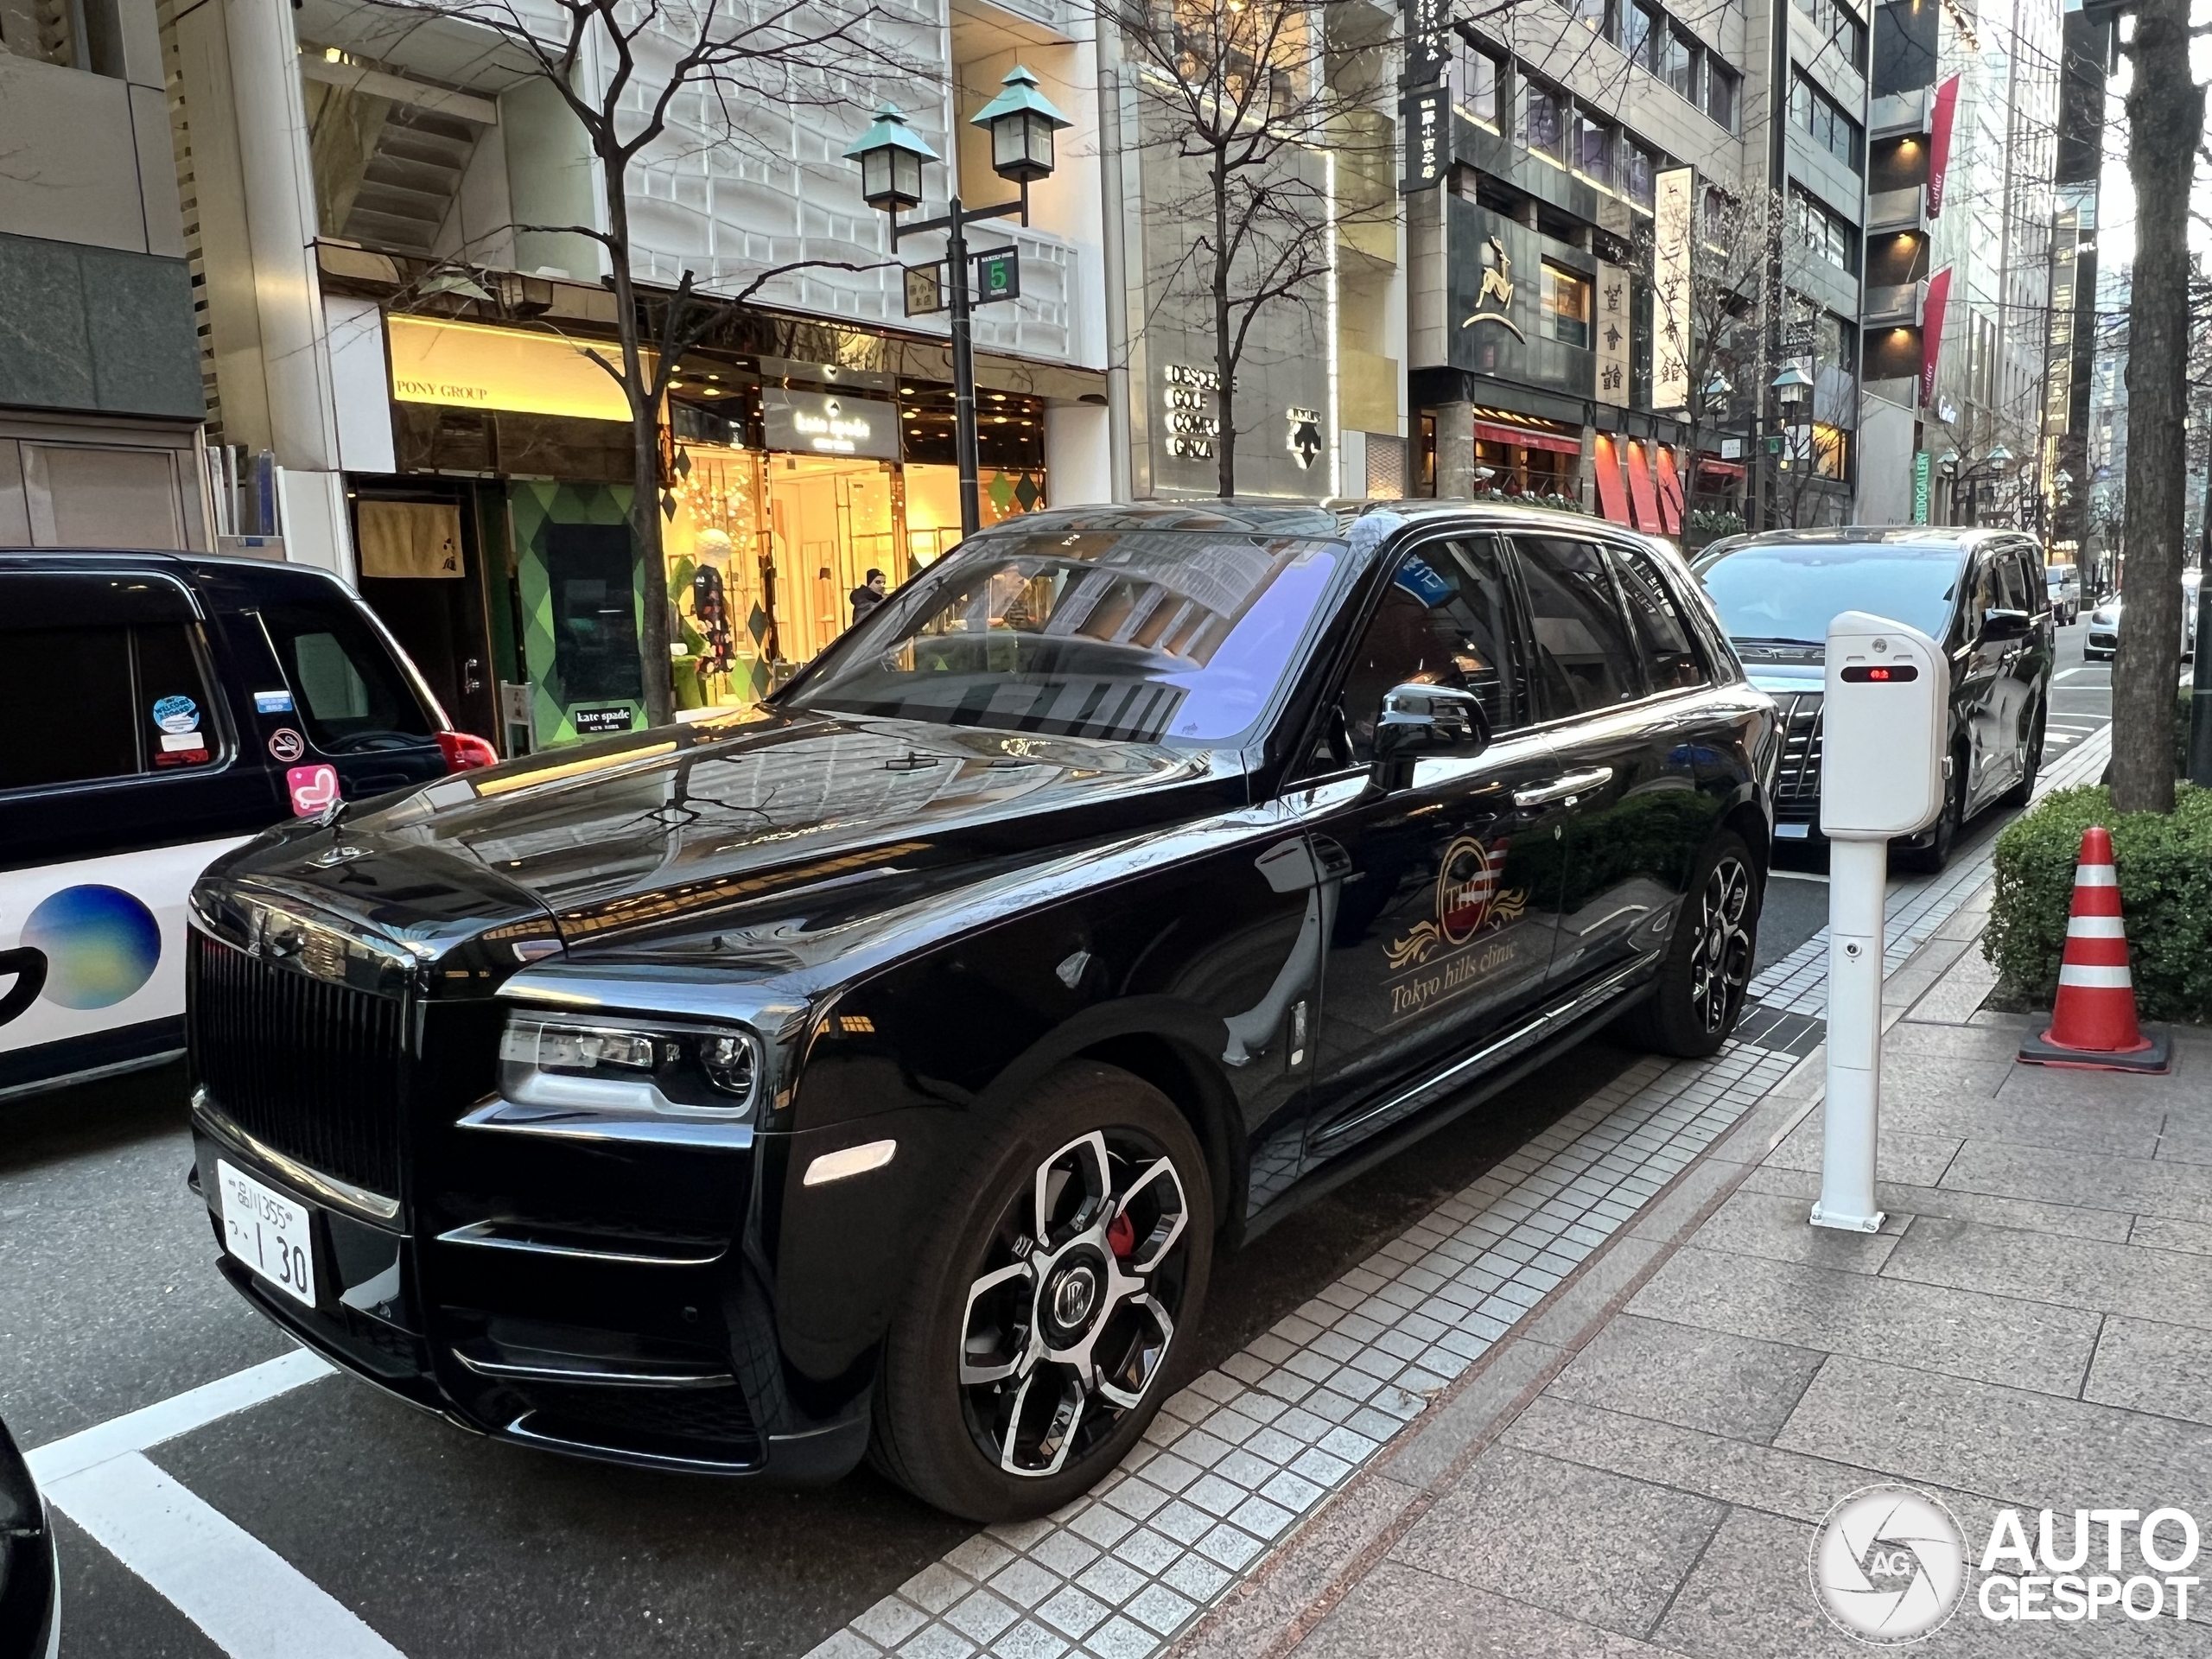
[765, 551]
[1566, 307]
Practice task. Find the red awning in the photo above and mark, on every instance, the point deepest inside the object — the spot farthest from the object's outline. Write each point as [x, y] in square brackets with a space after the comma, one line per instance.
[1639, 489]
[1612, 498]
[1670, 492]
[1711, 468]
[1490, 432]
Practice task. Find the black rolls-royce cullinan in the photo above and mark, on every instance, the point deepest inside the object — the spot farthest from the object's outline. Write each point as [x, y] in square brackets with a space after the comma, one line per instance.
[877, 1070]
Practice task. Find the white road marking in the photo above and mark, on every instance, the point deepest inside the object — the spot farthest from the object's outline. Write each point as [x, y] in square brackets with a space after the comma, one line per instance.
[250, 1601]
[180, 1414]
[2082, 668]
[1797, 876]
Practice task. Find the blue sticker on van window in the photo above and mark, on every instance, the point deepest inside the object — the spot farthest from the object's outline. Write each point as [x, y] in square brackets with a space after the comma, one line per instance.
[176, 714]
[1422, 582]
[272, 702]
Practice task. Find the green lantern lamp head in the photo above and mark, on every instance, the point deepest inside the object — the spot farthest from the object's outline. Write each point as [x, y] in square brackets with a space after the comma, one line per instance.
[891, 155]
[1021, 122]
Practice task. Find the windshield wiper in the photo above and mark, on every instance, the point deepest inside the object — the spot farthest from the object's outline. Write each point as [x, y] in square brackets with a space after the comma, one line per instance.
[1774, 639]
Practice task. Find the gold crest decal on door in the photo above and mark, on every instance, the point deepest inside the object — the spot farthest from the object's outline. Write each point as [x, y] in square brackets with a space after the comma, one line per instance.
[1469, 898]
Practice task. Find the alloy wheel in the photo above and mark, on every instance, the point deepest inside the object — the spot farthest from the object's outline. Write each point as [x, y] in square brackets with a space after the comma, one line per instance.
[1720, 965]
[1068, 1323]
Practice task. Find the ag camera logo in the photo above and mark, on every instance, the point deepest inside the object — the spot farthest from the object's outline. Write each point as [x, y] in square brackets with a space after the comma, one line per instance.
[1889, 1565]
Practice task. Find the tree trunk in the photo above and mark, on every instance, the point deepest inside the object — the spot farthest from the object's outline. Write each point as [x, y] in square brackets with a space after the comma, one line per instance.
[1224, 365]
[645, 447]
[2166, 118]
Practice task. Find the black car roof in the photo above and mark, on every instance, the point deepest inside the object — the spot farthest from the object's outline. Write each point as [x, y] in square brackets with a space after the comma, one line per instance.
[1935, 540]
[261, 576]
[1263, 518]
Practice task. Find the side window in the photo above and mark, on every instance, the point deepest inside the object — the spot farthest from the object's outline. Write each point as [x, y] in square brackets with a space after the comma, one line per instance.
[137, 697]
[1443, 618]
[1663, 635]
[352, 697]
[2027, 575]
[1988, 590]
[1585, 659]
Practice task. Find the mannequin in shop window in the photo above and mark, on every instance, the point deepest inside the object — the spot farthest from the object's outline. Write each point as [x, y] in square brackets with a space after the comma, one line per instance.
[868, 595]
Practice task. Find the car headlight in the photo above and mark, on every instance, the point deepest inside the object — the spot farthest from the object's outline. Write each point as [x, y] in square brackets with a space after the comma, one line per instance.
[547, 1059]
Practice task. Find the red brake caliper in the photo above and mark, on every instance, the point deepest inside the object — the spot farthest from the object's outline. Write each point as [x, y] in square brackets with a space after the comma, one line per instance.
[1122, 1234]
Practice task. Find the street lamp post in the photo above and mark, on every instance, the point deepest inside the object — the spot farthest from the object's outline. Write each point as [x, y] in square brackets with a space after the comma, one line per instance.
[1791, 387]
[1021, 121]
[1968, 475]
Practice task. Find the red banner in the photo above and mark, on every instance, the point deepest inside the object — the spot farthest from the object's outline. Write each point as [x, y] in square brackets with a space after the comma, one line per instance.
[1931, 332]
[1613, 500]
[1938, 151]
[1670, 492]
[1640, 494]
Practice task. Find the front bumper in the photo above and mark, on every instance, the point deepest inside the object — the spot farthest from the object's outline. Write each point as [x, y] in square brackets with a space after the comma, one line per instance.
[659, 1360]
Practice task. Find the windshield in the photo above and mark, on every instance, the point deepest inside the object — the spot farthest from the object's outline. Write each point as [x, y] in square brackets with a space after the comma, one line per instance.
[1790, 593]
[1149, 636]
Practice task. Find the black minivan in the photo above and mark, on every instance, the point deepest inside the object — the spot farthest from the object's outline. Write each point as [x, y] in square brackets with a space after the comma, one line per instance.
[162, 708]
[1980, 593]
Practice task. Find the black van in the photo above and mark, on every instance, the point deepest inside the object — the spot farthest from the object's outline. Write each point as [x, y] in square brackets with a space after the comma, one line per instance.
[160, 709]
[1980, 593]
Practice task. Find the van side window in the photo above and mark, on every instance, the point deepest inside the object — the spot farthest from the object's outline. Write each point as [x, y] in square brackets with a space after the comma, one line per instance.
[1585, 659]
[1663, 633]
[103, 703]
[352, 697]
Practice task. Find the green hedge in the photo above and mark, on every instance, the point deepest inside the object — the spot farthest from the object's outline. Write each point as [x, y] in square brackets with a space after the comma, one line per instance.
[2164, 863]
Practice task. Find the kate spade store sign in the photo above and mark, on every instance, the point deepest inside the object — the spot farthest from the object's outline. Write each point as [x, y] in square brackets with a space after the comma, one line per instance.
[829, 423]
[466, 365]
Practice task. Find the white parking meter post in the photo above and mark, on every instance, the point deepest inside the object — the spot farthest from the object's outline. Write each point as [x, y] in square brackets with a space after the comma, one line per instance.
[1884, 712]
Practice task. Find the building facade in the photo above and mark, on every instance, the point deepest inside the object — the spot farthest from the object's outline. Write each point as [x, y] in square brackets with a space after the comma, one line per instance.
[1962, 239]
[99, 378]
[1633, 220]
[397, 332]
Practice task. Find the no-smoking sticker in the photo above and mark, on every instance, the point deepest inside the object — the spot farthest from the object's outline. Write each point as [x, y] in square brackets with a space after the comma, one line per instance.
[287, 745]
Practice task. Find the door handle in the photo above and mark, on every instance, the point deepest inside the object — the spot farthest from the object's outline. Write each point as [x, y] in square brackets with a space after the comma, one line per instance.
[1563, 788]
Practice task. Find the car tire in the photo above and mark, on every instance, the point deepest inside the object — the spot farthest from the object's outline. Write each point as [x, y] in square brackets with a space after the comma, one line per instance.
[2031, 764]
[1931, 859]
[1032, 1348]
[1707, 965]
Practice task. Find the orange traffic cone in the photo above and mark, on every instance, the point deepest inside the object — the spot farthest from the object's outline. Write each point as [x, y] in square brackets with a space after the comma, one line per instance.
[2093, 1024]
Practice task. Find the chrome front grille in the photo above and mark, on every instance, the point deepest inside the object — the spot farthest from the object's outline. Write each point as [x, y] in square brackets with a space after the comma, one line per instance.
[313, 1070]
[1798, 777]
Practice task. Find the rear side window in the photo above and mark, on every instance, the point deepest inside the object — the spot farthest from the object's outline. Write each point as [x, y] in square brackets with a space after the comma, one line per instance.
[104, 702]
[353, 697]
[1585, 659]
[1663, 633]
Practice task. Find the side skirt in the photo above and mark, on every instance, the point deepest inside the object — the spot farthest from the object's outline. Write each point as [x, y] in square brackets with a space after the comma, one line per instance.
[1547, 1035]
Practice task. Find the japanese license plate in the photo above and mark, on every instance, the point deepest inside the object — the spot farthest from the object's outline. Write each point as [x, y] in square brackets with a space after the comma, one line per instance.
[267, 1231]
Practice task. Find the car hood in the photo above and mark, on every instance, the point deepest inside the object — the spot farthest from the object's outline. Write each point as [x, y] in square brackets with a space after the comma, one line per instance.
[720, 826]
[1783, 671]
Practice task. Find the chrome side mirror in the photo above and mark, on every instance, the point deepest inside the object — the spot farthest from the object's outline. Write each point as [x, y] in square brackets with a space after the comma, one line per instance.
[1419, 720]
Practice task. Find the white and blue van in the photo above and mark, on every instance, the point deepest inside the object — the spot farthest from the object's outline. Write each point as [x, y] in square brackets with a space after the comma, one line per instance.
[159, 709]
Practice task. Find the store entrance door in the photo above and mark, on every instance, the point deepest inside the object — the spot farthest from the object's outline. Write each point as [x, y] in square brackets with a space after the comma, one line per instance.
[420, 574]
[831, 522]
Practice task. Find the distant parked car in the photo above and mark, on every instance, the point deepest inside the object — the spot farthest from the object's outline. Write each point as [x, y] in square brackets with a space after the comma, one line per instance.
[2102, 640]
[165, 707]
[1980, 593]
[2064, 582]
[30, 1572]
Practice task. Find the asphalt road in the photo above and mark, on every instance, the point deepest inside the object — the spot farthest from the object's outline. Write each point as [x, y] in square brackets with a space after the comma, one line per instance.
[450, 1546]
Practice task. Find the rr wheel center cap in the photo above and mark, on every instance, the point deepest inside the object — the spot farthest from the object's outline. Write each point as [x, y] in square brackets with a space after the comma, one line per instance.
[1074, 1297]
